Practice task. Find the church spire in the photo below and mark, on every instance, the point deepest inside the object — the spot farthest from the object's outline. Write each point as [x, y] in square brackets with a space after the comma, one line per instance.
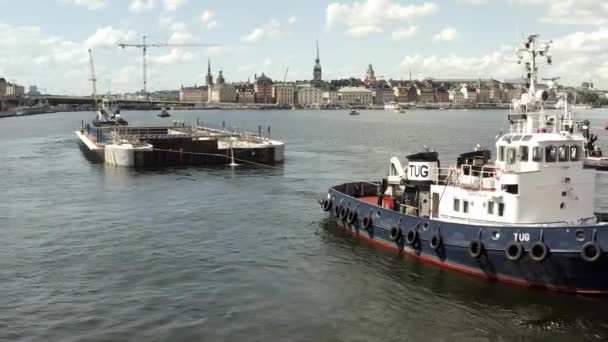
[316, 71]
[209, 77]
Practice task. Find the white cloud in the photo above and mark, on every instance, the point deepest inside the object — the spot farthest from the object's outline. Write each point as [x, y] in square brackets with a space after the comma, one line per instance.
[368, 17]
[138, 6]
[474, 2]
[448, 34]
[209, 20]
[404, 33]
[88, 4]
[292, 20]
[362, 31]
[109, 37]
[570, 12]
[175, 56]
[172, 5]
[272, 30]
[577, 57]
[181, 34]
[165, 20]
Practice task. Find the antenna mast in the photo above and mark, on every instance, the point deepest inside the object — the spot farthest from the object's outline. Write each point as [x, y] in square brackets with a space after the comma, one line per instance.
[93, 79]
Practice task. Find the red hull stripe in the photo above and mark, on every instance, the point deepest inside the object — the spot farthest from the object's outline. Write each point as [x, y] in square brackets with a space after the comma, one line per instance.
[473, 272]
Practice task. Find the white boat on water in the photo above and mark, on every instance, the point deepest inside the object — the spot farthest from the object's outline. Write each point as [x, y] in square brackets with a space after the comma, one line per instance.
[391, 105]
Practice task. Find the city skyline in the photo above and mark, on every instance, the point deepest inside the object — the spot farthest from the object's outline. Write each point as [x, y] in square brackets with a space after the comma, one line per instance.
[433, 39]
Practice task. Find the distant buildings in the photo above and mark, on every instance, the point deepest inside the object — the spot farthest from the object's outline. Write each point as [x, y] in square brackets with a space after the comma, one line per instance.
[309, 95]
[194, 94]
[355, 96]
[222, 93]
[263, 89]
[284, 93]
[10, 89]
[244, 92]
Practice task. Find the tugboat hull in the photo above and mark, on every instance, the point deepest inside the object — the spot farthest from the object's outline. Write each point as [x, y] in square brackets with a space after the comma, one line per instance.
[567, 263]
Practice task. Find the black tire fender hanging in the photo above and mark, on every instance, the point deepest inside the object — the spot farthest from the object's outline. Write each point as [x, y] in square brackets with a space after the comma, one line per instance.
[367, 223]
[411, 237]
[395, 233]
[476, 248]
[514, 250]
[591, 251]
[539, 251]
[352, 216]
[436, 241]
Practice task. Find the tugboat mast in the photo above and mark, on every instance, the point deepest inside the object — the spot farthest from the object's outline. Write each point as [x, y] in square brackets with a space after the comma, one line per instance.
[530, 47]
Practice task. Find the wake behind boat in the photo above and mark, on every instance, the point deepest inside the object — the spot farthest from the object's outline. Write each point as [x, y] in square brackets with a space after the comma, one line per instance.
[525, 218]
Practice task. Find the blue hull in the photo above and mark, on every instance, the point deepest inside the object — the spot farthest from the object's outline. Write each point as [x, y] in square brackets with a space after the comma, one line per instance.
[562, 269]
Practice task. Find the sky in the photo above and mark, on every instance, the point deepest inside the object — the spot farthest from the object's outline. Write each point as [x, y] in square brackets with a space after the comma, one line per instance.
[45, 43]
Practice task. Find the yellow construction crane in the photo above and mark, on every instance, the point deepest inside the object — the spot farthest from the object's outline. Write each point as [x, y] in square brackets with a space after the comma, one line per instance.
[145, 45]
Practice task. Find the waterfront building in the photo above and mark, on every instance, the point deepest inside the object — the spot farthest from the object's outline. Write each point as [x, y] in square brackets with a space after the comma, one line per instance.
[330, 97]
[441, 94]
[401, 94]
[14, 90]
[209, 76]
[222, 93]
[469, 93]
[263, 89]
[509, 91]
[317, 71]
[284, 93]
[244, 92]
[33, 91]
[3, 85]
[426, 95]
[456, 96]
[309, 95]
[355, 96]
[382, 95]
[193, 94]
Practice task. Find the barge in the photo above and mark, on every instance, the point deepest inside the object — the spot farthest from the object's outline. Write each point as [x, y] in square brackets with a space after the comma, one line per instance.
[177, 145]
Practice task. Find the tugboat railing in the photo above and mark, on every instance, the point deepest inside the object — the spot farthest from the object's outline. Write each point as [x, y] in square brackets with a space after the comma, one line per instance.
[453, 176]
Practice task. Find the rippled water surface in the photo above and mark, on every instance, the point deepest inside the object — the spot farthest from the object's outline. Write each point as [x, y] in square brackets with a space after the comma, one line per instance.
[95, 253]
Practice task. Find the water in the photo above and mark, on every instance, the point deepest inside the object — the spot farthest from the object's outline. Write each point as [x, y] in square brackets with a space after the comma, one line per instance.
[94, 253]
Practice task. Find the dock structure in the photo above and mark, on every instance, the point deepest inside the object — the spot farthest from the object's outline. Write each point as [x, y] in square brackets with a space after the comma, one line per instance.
[179, 145]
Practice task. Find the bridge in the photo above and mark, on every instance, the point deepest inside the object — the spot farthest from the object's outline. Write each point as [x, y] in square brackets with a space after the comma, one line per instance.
[7, 102]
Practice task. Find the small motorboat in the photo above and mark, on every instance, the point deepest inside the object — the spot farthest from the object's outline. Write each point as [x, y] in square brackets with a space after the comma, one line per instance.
[164, 113]
[353, 112]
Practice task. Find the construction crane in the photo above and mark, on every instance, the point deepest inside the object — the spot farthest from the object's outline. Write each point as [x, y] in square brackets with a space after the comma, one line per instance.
[93, 79]
[145, 45]
[285, 77]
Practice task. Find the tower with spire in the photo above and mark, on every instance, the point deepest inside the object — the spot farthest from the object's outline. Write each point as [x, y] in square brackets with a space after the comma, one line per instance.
[209, 77]
[370, 75]
[316, 71]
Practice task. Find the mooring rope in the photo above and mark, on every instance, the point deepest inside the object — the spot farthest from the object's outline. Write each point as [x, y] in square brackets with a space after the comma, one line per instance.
[229, 157]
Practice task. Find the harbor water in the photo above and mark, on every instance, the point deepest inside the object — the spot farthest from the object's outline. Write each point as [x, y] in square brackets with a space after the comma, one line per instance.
[90, 252]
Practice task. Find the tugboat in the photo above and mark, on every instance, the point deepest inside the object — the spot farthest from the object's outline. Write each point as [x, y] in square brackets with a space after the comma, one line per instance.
[108, 114]
[353, 112]
[164, 113]
[527, 218]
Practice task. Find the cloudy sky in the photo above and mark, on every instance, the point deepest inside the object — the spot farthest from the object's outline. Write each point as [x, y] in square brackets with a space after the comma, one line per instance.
[46, 42]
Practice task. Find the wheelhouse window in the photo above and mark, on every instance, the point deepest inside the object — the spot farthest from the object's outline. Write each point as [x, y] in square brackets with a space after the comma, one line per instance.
[563, 153]
[526, 138]
[511, 154]
[537, 154]
[550, 154]
[523, 153]
[490, 207]
[456, 204]
[574, 153]
[501, 209]
[465, 206]
[501, 153]
[516, 138]
[506, 138]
